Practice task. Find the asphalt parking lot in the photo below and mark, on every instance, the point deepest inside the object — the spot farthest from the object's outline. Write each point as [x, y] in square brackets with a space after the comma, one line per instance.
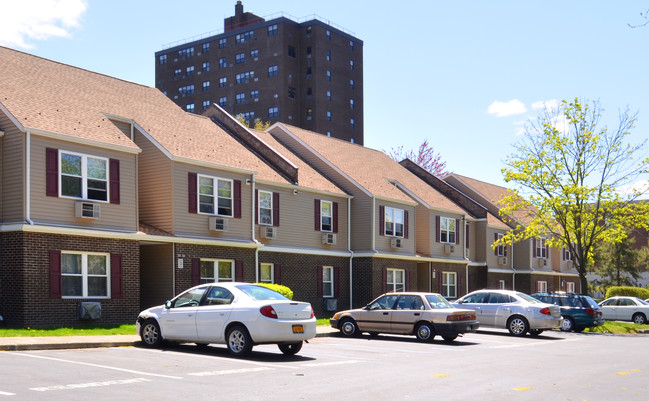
[489, 365]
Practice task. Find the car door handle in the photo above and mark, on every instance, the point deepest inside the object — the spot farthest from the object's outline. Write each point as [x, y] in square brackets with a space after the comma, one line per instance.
[417, 314]
[506, 309]
[386, 313]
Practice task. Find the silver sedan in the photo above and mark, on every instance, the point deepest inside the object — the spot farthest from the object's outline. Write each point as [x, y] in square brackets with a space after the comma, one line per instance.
[625, 308]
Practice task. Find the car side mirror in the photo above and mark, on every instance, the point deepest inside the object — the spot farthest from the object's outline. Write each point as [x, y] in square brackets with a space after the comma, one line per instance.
[168, 304]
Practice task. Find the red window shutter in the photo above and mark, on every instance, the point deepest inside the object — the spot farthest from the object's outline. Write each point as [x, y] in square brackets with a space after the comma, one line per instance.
[405, 224]
[335, 217]
[534, 247]
[237, 199]
[52, 172]
[238, 270]
[196, 271]
[55, 274]
[437, 228]
[459, 285]
[116, 275]
[457, 231]
[466, 235]
[319, 281]
[407, 280]
[193, 192]
[277, 273]
[381, 220]
[336, 281]
[114, 181]
[276, 209]
[256, 202]
[385, 280]
[316, 214]
[496, 248]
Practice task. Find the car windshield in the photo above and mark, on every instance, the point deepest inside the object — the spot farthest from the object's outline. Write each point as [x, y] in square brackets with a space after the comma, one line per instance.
[528, 298]
[437, 301]
[259, 293]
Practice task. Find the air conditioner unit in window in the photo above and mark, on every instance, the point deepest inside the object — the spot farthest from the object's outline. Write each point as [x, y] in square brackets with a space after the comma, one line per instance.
[217, 224]
[86, 210]
[569, 264]
[330, 304]
[268, 232]
[502, 260]
[329, 238]
[395, 242]
[542, 262]
[449, 249]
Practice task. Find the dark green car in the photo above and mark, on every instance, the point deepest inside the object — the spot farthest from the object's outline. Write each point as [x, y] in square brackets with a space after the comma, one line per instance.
[578, 311]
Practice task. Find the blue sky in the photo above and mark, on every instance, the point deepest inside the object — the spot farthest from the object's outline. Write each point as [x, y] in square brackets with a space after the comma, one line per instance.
[465, 75]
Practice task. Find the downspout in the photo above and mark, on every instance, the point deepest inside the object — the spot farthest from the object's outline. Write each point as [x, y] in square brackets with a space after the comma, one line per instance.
[351, 254]
[466, 267]
[513, 270]
[28, 178]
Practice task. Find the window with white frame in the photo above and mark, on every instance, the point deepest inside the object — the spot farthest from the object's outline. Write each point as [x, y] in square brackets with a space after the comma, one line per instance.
[326, 216]
[541, 248]
[394, 219]
[85, 275]
[501, 248]
[570, 287]
[266, 208]
[541, 286]
[501, 284]
[215, 195]
[449, 284]
[447, 230]
[396, 280]
[215, 270]
[83, 176]
[266, 273]
[327, 281]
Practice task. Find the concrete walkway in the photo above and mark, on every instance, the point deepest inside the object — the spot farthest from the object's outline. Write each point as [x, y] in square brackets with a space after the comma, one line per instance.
[69, 342]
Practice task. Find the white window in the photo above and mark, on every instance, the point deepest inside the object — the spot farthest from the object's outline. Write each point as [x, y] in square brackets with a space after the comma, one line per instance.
[214, 195]
[266, 208]
[541, 248]
[449, 284]
[447, 230]
[394, 219]
[327, 281]
[541, 286]
[85, 275]
[326, 216]
[214, 270]
[501, 284]
[83, 176]
[570, 287]
[396, 280]
[266, 271]
[501, 248]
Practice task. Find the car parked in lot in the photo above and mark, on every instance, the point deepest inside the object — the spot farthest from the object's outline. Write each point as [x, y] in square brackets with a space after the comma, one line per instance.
[578, 311]
[630, 309]
[422, 314]
[512, 310]
[239, 315]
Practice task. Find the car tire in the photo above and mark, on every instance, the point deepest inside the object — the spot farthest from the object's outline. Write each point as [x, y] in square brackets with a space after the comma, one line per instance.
[150, 333]
[424, 332]
[290, 348]
[535, 332]
[348, 328]
[238, 340]
[449, 338]
[517, 326]
[639, 318]
[578, 329]
[568, 324]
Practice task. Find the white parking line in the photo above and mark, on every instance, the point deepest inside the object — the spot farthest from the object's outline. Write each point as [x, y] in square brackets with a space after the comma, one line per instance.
[229, 372]
[5, 393]
[92, 384]
[95, 365]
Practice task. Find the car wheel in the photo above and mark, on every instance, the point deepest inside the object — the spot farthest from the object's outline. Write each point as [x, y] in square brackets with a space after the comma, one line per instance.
[349, 328]
[639, 318]
[579, 329]
[517, 326]
[238, 340]
[424, 332]
[291, 348]
[568, 324]
[535, 332]
[150, 333]
[449, 338]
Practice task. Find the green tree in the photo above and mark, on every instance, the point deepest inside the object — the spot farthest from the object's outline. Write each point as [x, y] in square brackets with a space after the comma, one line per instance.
[618, 263]
[567, 172]
[259, 125]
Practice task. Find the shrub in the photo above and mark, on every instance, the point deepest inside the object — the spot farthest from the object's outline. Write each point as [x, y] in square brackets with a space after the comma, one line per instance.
[282, 289]
[641, 293]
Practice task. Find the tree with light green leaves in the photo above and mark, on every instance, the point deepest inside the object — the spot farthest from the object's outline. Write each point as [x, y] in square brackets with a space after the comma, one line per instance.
[568, 173]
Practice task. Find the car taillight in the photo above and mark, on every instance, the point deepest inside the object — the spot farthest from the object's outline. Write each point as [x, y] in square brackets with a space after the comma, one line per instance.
[590, 311]
[457, 318]
[545, 311]
[312, 313]
[268, 311]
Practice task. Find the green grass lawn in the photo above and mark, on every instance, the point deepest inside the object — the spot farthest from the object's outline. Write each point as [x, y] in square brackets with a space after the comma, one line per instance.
[617, 328]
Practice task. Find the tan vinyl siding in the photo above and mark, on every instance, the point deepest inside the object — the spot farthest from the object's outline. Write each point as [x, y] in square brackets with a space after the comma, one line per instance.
[124, 127]
[523, 254]
[383, 241]
[13, 173]
[196, 224]
[422, 231]
[361, 221]
[155, 185]
[478, 242]
[59, 210]
[297, 220]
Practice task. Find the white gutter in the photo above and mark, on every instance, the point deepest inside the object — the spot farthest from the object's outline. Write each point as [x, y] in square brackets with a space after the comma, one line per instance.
[252, 223]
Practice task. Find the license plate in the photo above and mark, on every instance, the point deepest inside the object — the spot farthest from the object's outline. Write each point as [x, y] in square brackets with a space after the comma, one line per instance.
[298, 329]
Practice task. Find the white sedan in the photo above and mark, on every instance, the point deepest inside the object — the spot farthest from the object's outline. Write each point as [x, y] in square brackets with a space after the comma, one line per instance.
[625, 308]
[239, 315]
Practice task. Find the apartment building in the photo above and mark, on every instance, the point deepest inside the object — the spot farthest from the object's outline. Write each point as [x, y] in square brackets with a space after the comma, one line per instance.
[308, 73]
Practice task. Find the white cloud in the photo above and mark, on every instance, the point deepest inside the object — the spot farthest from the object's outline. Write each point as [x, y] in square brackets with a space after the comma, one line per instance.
[506, 109]
[638, 186]
[546, 104]
[27, 20]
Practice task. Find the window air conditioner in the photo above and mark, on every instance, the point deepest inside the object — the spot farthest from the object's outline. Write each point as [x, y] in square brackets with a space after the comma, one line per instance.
[502, 260]
[268, 232]
[86, 210]
[217, 224]
[543, 262]
[395, 242]
[329, 238]
[448, 249]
